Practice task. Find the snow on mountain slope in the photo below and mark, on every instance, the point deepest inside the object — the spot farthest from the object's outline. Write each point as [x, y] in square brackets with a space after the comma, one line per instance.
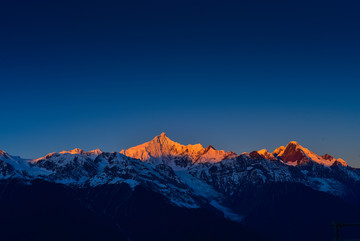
[87, 169]
[261, 154]
[15, 167]
[68, 166]
[211, 155]
[294, 154]
[114, 168]
[232, 176]
[163, 150]
[188, 176]
[78, 151]
[6, 169]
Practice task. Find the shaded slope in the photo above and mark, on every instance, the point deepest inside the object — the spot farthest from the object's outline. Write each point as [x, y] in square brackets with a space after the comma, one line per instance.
[288, 211]
[48, 211]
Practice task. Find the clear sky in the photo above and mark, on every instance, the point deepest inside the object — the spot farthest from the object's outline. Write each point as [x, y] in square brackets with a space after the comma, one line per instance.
[240, 75]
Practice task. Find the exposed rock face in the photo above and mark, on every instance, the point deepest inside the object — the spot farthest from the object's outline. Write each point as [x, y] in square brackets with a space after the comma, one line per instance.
[191, 177]
[262, 154]
[187, 176]
[294, 154]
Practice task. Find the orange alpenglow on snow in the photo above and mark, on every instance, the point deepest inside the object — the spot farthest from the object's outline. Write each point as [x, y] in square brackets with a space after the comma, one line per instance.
[163, 150]
[78, 151]
[263, 153]
[294, 154]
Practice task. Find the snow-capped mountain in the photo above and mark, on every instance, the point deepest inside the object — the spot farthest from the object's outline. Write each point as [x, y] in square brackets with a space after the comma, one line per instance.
[294, 154]
[163, 150]
[95, 168]
[17, 167]
[233, 175]
[187, 175]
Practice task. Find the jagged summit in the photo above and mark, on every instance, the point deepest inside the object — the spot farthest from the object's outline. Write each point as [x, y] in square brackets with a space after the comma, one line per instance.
[262, 154]
[64, 157]
[210, 147]
[294, 154]
[74, 151]
[162, 149]
[96, 151]
[185, 174]
[78, 151]
[278, 150]
[162, 138]
[294, 143]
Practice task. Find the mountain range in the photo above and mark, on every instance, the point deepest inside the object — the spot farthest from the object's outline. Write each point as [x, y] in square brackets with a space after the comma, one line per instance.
[190, 192]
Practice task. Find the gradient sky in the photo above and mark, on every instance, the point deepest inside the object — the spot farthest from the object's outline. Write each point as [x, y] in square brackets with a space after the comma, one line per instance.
[240, 75]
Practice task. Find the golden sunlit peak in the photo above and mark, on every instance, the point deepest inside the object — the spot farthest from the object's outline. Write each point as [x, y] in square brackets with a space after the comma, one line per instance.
[78, 151]
[294, 143]
[210, 147]
[342, 162]
[163, 135]
[74, 151]
[262, 151]
[95, 152]
[161, 148]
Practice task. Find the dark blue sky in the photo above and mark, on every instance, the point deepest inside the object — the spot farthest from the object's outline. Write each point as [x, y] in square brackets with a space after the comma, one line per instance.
[240, 75]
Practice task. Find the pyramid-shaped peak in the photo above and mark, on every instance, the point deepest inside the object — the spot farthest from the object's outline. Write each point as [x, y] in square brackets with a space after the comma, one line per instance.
[292, 146]
[210, 147]
[295, 154]
[295, 143]
[161, 149]
[162, 137]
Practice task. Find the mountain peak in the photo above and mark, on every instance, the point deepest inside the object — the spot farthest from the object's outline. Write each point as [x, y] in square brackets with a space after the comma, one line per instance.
[342, 162]
[74, 151]
[162, 138]
[262, 154]
[294, 143]
[163, 150]
[161, 147]
[210, 147]
[279, 150]
[294, 154]
[78, 151]
[95, 152]
[2, 152]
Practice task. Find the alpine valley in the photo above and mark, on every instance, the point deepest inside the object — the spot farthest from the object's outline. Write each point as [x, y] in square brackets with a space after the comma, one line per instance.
[162, 190]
